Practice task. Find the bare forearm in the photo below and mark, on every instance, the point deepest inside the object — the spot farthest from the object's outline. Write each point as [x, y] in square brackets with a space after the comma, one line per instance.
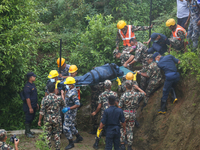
[28, 101]
[40, 117]
[130, 59]
[74, 107]
[144, 74]
[124, 125]
[98, 108]
[132, 62]
[101, 126]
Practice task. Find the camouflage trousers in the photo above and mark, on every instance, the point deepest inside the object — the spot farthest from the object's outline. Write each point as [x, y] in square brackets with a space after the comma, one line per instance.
[151, 87]
[193, 32]
[94, 119]
[130, 117]
[53, 129]
[69, 125]
[143, 83]
[126, 49]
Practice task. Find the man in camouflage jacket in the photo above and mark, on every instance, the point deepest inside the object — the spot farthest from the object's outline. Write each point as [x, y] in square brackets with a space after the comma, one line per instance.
[128, 102]
[154, 75]
[50, 109]
[3, 138]
[103, 101]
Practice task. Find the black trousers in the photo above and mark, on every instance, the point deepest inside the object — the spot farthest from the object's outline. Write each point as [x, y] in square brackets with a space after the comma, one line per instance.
[28, 116]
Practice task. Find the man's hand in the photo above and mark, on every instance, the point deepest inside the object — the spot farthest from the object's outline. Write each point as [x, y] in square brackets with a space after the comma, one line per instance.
[38, 107]
[185, 25]
[125, 65]
[31, 110]
[60, 75]
[93, 114]
[16, 144]
[66, 109]
[151, 26]
[125, 131]
[39, 123]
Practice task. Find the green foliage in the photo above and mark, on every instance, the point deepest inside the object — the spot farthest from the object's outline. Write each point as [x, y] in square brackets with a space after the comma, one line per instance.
[42, 142]
[96, 44]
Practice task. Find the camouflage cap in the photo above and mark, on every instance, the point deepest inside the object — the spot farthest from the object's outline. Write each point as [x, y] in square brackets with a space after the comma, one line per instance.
[3, 134]
[107, 83]
[116, 51]
[150, 56]
[129, 82]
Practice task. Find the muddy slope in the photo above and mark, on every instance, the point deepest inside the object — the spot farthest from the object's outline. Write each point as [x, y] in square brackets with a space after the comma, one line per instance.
[179, 128]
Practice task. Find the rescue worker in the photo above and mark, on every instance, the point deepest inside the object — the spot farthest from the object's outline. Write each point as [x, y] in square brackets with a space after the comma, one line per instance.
[70, 111]
[141, 53]
[64, 68]
[3, 138]
[53, 77]
[111, 119]
[96, 90]
[154, 76]
[160, 43]
[128, 102]
[124, 57]
[30, 105]
[103, 105]
[167, 64]
[126, 32]
[179, 35]
[194, 26]
[122, 85]
[50, 109]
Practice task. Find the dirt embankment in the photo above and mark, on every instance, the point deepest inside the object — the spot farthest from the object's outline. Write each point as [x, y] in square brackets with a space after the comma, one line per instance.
[179, 128]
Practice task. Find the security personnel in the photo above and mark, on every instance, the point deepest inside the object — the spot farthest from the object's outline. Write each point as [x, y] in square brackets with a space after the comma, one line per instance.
[154, 78]
[194, 26]
[50, 109]
[179, 35]
[64, 68]
[126, 32]
[3, 138]
[30, 105]
[160, 43]
[167, 64]
[53, 77]
[128, 102]
[111, 119]
[70, 111]
[103, 105]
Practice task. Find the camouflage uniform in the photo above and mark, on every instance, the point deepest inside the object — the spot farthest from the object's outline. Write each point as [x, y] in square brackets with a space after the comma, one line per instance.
[133, 29]
[193, 29]
[71, 99]
[155, 79]
[103, 99]
[96, 90]
[50, 109]
[122, 87]
[128, 102]
[3, 145]
[65, 71]
[141, 56]
[124, 57]
[178, 44]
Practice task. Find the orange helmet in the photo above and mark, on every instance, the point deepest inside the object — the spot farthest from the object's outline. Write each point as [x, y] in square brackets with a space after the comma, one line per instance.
[62, 61]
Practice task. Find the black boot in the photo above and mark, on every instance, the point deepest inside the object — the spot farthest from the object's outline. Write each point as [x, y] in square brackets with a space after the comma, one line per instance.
[31, 131]
[78, 138]
[70, 145]
[174, 98]
[122, 147]
[163, 108]
[27, 131]
[137, 123]
[95, 146]
[129, 147]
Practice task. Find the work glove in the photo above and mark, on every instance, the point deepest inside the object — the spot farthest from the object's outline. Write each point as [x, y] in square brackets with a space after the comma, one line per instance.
[134, 76]
[56, 86]
[118, 81]
[98, 132]
[66, 109]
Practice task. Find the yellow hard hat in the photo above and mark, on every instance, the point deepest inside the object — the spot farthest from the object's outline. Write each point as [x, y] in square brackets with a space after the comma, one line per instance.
[72, 69]
[129, 76]
[62, 61]
[53, 74]
[70, 80]
[170, 22]
[121, 24]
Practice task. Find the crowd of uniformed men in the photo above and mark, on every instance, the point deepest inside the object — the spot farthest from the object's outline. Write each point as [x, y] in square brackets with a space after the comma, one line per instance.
[114, 108]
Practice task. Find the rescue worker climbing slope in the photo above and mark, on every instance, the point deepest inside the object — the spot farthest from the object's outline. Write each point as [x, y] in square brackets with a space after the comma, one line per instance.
[70, 111]
[126, 32]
